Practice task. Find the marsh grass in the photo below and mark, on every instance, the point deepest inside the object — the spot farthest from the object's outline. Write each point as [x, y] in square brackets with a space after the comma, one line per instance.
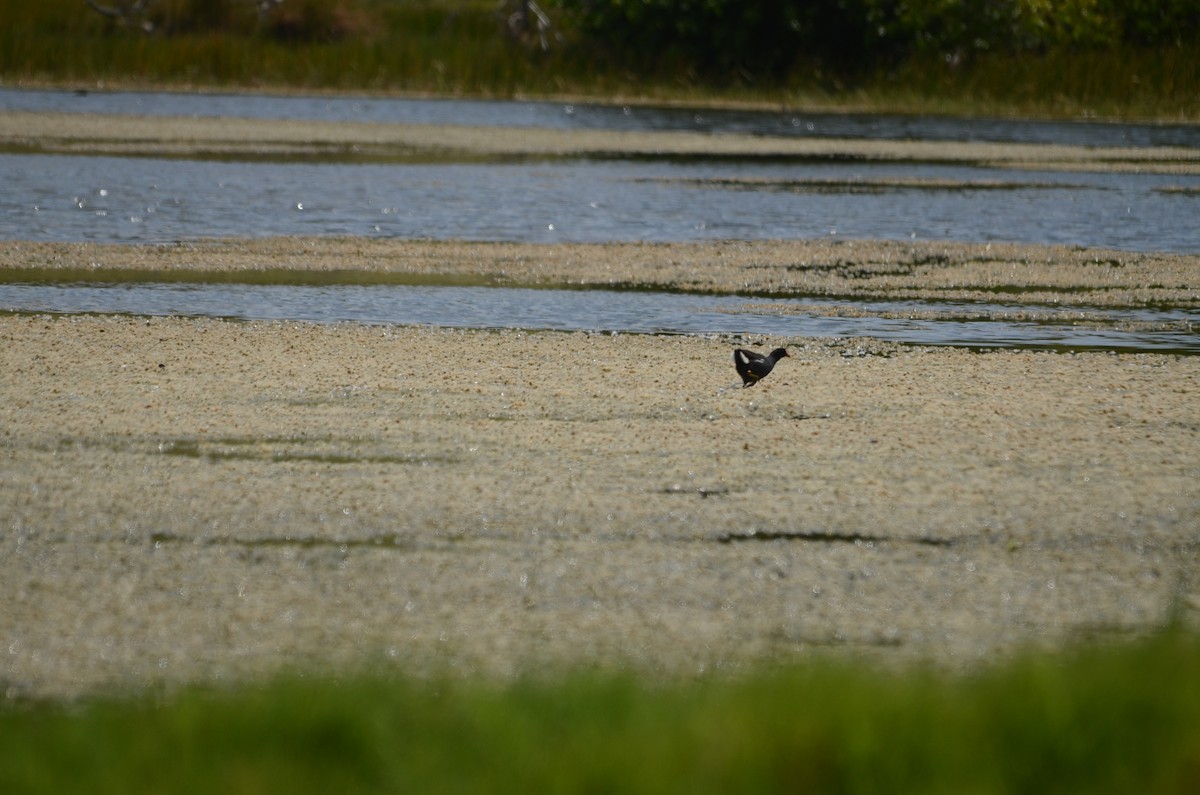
[1162, 84]
[1102, 718]
[456, 47]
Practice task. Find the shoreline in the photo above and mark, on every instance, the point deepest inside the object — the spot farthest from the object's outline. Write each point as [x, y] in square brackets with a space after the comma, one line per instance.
[815, 101]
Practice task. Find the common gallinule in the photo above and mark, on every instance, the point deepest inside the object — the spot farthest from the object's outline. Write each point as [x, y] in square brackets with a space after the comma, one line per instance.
[753, 367]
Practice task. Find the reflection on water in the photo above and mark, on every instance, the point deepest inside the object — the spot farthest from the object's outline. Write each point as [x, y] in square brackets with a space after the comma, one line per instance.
[604, 310]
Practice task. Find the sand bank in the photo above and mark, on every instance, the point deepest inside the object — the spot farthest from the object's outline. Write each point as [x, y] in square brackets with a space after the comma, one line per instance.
[256, 138]
[990, 272]
[191, 500]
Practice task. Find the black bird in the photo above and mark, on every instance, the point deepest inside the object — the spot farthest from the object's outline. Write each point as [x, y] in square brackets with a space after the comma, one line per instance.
[753, 367]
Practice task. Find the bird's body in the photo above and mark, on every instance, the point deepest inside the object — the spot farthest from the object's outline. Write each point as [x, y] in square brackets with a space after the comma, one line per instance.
[753, 367]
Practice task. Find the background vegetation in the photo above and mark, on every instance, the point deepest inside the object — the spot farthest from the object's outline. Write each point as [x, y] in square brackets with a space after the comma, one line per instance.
[1098, 720]
[1114, 58]
[782, 38]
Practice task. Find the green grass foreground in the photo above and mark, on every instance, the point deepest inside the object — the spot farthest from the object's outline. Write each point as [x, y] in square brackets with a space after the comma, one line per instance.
[1115, 718]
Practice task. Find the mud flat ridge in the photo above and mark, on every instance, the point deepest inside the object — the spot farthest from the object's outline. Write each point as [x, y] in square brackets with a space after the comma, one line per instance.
[854, 269]
[165, 136]
[197, 500]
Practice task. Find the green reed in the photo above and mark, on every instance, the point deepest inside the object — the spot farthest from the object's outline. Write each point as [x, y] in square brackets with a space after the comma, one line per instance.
[457, 47]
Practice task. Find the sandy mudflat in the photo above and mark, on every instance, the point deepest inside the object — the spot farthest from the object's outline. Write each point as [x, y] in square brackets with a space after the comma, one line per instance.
[193, 500]
[225, 137]
[1014, 274]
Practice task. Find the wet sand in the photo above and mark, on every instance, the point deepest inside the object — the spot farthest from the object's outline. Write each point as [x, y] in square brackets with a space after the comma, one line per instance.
[254, 138]
[199, 500]
[1036, 276]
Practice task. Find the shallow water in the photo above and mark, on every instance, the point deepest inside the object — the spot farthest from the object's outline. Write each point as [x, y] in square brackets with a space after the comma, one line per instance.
[135, 199]
[109, 199]
[611, 311]
[115, 199]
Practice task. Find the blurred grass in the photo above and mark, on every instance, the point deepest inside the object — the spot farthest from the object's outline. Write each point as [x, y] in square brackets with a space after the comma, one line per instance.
[1100, 719]
[458, 48]
[1161, 84]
